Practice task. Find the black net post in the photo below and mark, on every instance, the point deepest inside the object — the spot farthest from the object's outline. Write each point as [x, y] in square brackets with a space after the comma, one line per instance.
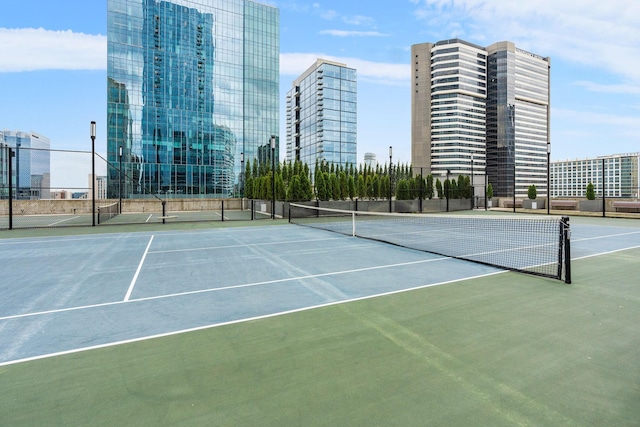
[222, 212]
[164, 211]
[567, 249]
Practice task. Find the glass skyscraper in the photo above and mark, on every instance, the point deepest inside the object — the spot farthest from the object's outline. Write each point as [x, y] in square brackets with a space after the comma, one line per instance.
[192, 91]
[31, 165]
[322, 115]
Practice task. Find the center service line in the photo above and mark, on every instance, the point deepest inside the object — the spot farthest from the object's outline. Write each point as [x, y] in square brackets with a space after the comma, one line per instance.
[135, 276]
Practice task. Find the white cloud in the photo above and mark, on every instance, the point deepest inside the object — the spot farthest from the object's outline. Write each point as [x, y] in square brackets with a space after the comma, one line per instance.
[343, 33]
[601, 34]
[30, 49]
[612, 88]
[294, 64]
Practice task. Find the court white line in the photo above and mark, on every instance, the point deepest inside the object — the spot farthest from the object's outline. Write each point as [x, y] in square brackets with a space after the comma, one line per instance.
[149, 218]
[64, 220]
[606, 237]
[135, 277]
[606, 253]
[282, 242]
[233, 322]
[200, 291]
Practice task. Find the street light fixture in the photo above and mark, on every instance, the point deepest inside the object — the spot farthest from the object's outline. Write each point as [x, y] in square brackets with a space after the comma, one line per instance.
[273, 177]
[548, 177]
[93, 173]
[120, 179]
[390, 177]
[448, 185]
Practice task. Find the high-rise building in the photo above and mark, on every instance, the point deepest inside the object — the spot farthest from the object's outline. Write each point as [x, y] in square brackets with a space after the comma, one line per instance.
[31, 165]
[618, 175]
[321, 115]
[193, 89]
[481, 110]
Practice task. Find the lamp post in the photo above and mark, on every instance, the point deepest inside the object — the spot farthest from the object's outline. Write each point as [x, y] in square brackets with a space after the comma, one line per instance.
[120, 180]
[273, 177]
[548, 177]
[390, 177]
[242, 176]
[448, 186]
[93, 173]
[473, 189]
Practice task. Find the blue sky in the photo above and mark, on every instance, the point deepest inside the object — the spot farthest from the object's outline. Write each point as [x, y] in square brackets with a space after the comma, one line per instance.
[53, 65]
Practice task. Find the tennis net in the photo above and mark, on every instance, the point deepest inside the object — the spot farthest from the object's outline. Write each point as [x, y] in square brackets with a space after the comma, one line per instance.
[533, 245]
[107, 212]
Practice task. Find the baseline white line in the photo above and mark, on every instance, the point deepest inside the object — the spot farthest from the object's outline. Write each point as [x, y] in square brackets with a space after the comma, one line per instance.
[64, 220]
[606, 237]
[233, 322]
[135, 277]
[606, 253]
[62, 310]
[282, 242]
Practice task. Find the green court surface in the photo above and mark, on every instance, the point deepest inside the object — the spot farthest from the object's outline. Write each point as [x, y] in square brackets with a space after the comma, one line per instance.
[501, 350]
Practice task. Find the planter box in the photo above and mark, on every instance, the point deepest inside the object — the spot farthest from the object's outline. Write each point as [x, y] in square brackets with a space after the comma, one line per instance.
[590, 205]
[533, 204]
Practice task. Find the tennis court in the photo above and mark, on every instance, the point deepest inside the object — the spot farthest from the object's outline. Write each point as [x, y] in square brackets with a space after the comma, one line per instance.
[288, 325]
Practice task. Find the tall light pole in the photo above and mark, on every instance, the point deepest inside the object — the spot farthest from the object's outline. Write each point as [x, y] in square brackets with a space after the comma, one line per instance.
[448, 186]
[473, 189]
[548, 177]
[120, 180]
[93, 173]
[390, 177]
[242, 177]
[273, 176]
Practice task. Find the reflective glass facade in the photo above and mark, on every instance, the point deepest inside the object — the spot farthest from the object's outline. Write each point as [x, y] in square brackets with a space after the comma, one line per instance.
[322, 115]
[31, 165]
[192, 86]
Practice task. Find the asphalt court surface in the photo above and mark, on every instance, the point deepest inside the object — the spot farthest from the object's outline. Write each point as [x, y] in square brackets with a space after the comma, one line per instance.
[64, 294]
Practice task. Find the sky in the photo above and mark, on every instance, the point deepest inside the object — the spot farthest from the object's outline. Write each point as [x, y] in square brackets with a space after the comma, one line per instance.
[53, 66]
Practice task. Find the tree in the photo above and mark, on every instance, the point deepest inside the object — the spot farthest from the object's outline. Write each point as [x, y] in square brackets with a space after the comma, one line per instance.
[351, 184]
[429, 188]
[439, 190]
[344, 189]
[489, 191]
[403, 192]
[362, 187]
[591, 192]
[532, 192]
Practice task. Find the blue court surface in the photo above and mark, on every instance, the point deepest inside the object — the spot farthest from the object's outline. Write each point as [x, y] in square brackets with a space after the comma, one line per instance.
[67, 294]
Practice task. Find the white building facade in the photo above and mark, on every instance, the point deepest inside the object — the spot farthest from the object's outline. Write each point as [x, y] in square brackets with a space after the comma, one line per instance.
[616, 174]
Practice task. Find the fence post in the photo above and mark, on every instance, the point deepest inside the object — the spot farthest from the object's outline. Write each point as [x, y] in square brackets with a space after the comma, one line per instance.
[9, 157]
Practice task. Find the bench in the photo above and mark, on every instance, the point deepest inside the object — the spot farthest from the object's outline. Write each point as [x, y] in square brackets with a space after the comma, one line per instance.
[564, 204]
[508, 203]
[627, 206]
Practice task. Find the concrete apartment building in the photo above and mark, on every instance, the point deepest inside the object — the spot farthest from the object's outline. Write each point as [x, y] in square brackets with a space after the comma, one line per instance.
[483, 110]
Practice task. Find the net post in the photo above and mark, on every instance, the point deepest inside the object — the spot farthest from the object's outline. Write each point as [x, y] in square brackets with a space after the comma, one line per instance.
[566, 230]
[222, 213]
[164, 211]
[289, 213]
[353, 224]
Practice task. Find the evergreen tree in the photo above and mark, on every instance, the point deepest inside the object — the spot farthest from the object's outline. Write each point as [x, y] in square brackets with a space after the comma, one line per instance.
[305, 185]
[591, 192]
[281, 192]
[335, 187]
[403, 190]
[453, 192]
[439, 189]
[351, 184]
[429, 187]
[344, 189]
[294, 189]
[362, 187]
